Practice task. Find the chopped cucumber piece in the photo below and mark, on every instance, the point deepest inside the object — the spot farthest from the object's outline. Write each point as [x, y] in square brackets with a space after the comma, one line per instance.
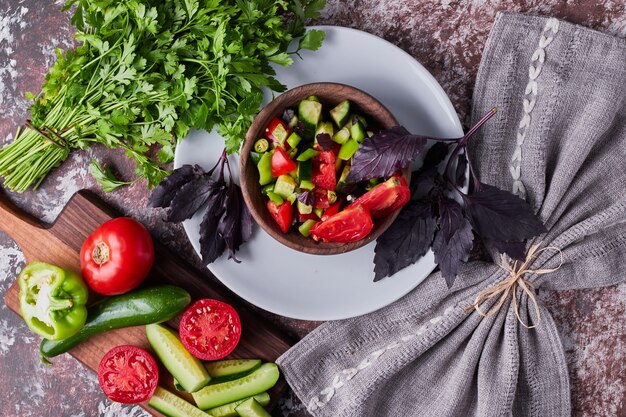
[305, 170]
[342, 136]
[318, 212]
[186, 369]
[343, 176]
[258, 381]
[292, 152]
[256, 157]
[293, 122]
[341, 113]
[310, 113]
[277, 199]
[280, 133]
[313, 98]
[261, 145]
[292, 198]
[231, 367]
[293, 140]
[325, 127]
[357, 131]
[370, 133]
[348, 150]
[305, 228]
[307, 185]
[285, 185]
[362, 120]
[265, 168]
[307, 154]
[228, 410]
[304, 208]
[251, 408]
[172, 405]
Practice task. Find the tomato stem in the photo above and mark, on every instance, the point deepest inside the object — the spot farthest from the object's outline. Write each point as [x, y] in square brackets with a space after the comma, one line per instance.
[101, 253]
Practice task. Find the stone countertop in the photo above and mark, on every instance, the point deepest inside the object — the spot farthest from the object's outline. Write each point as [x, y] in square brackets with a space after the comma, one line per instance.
[446, 36]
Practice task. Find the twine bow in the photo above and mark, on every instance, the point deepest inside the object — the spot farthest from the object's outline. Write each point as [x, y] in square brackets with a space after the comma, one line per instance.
[516, 271]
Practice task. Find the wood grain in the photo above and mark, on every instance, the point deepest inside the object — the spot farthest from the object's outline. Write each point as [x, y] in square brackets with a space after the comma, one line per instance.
[60, 244]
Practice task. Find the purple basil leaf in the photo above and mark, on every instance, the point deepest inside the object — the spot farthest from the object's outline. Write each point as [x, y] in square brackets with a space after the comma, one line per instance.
[299, 129]
[461, 170]
[499, 215]
[306, 197]
[190, 198]
[406, 240]
[325, 141]
[165, 192]
[288, 115]
[211, 243]
[230, 228]
[515, 250]
[435, 155]
[246, 223]
[385, 153]
[453, 241]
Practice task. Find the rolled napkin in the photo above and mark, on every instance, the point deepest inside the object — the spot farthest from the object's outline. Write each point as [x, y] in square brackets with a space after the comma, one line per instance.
[559, 141]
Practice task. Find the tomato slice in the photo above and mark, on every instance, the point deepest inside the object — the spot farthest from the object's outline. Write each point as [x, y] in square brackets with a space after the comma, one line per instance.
[128, 374]
[320, 196]
[281, 163]
[324, 175]
[331, 211]
[385, 198]
[282, 214]
[348, 225]
[210, 329]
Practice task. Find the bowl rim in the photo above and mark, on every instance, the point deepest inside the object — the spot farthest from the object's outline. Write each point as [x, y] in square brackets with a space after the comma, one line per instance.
[249, 185]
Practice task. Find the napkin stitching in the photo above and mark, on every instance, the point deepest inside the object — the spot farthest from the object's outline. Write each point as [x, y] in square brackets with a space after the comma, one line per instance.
[345, 375]
[550, 30]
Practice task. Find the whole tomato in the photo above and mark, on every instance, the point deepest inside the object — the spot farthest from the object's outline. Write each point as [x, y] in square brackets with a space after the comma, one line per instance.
[117, 256]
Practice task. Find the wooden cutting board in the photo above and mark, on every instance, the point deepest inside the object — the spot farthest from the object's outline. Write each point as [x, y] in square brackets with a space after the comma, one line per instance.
[60, 244]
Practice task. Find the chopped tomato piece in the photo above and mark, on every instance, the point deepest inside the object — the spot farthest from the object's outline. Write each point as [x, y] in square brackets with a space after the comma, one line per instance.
[324, 175]
[332, 210]
[302, 217]
[327, 157]
[320, 196]
[277, 131]
[282, 214]
[281, 163]
[348, 225]
[385, 198]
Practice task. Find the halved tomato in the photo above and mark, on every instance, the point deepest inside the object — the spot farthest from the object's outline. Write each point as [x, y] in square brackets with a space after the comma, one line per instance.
[210, 329]
[385, 198]
[348, 225]
[128, 374]
[282, 214]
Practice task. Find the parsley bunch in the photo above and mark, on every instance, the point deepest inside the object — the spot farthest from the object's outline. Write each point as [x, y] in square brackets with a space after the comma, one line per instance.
[149, 70]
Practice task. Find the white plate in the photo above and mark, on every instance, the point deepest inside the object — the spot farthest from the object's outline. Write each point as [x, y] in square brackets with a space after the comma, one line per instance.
[309, 287]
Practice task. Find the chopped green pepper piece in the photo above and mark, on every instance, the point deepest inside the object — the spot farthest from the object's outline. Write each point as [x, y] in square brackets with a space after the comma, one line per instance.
[292, 198]
[318, 212]
[307, 154]
[256, 157]
[294, 139]
[278, 200]
[261, 145]
[52, 300]
[348, 150]
[265, 168]
[266, 188]
[305, 228]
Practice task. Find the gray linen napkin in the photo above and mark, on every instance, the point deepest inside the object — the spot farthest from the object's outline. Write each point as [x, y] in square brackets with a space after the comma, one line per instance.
[558, 140]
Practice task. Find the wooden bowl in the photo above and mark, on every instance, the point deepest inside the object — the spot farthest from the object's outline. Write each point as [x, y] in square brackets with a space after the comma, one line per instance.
[329, 94]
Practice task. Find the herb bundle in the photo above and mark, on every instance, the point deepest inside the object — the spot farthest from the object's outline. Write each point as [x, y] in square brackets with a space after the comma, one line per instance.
[434, 217]
[227, 223]
[147, 71]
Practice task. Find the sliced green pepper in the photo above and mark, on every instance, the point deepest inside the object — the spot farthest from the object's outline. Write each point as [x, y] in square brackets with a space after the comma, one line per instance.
[265, 168]
[52, 300]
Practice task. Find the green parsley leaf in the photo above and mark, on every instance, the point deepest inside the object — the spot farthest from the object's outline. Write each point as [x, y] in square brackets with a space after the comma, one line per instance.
[105, 177]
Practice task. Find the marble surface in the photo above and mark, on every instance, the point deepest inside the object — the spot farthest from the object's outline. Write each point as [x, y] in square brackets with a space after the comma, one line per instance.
[446, 36]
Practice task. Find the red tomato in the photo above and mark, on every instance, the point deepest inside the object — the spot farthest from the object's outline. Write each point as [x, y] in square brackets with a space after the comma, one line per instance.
[281, 163]
[117, 256]
[320, 196]
[324, 175]
[385, 198]
[271, 131]
[327, 157]
[348, 225]
[302, 217]
[283, 214]
[210, 329]
[331, 211]
[128, 374]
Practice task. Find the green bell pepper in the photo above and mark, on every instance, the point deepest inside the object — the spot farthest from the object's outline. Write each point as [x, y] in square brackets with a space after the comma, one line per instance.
[52, 300]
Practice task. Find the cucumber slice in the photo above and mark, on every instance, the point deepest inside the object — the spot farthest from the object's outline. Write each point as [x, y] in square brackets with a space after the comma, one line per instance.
[305, 170]
[285, 185]
[186, 369]
[228, 410]
[251, 408]
[307, 185]
[342, 136]
[357, 131]
[258, 381]
[310, 113]
[341, 113]
[293, 122]
[325, 127]
[172, 405]
[304, 208]
[232, 367]
[305, 228]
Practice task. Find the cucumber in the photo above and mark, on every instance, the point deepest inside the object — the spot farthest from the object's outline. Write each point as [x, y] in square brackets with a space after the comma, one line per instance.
[285, 185]
[342, 136]
[232, 367]
[341, 113]
[228, 410]
[348, 150]
[186, 369]
[173, 406]
[305, 170]
[325, 127]
[293, 140]
[251, 408]
[262, 379]
[307, 185]
[304, 208]
[357, 131]
[305, 228]
[310, 113]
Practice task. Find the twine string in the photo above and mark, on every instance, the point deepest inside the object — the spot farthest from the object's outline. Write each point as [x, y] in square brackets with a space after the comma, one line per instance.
[516, 272]
[48, 134]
